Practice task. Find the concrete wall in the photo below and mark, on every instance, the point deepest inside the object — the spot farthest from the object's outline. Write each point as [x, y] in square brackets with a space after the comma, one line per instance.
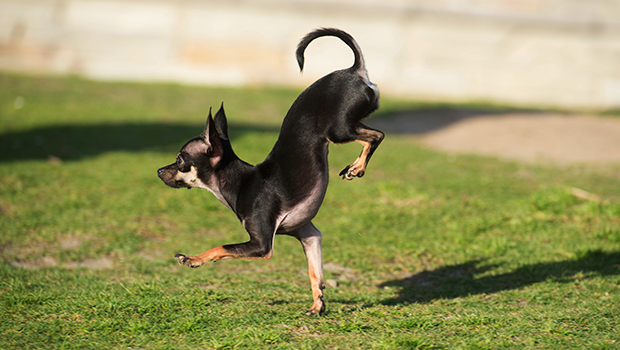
[544, 52]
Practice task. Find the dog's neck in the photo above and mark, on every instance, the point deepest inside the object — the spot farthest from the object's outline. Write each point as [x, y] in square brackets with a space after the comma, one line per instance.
[228, 181]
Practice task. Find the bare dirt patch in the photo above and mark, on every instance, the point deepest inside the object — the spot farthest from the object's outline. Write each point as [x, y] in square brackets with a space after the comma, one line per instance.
[527, 136]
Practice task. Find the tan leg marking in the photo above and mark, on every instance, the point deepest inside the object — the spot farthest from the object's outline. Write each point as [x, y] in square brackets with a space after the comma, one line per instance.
[310, 238]
[358, 167]
[315, 272]
[213, 254]
[370, 140]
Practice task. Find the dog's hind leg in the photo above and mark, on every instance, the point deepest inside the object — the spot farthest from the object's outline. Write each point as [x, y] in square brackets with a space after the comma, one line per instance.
[310, 238]
[370, 140]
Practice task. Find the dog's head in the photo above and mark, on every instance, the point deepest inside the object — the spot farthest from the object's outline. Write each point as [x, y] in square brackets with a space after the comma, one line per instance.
[201, 156]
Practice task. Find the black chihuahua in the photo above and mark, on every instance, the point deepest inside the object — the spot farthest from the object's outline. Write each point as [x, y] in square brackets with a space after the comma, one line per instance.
[282, 194]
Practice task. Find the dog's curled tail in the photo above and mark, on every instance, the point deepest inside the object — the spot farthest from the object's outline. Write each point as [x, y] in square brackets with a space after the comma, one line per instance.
[348, 39]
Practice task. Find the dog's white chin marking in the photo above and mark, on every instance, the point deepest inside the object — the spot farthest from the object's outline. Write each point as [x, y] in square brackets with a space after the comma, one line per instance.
[191, 179]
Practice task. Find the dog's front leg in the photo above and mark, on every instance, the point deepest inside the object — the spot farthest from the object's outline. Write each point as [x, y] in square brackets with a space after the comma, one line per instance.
[249, 251]
[310, 238]
[260, 247]
[213, 254]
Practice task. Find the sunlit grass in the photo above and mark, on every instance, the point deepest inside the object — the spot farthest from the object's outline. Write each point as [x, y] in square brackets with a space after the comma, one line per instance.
[428, 250]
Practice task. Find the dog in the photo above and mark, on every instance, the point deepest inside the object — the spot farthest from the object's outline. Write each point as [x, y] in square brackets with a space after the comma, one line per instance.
[283, 194]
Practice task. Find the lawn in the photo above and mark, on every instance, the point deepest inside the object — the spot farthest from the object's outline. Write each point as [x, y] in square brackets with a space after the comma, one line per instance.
[428, 250]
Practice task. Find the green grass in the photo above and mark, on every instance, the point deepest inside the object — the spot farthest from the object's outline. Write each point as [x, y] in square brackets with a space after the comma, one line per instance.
[428, 250]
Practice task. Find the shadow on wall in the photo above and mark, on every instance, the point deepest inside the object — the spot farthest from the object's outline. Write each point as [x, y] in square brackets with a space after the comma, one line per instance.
[460, 280]
[74, 142]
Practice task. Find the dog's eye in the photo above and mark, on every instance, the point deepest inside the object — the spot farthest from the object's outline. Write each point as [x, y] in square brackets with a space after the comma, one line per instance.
[182, 165]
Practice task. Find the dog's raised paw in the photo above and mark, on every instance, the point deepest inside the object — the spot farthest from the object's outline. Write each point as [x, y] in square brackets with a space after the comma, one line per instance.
[346, 173]
[349, 173]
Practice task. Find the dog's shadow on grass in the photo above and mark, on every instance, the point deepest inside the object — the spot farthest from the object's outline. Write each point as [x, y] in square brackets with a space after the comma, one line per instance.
[75, 142]
[424, 120]
[454, 281]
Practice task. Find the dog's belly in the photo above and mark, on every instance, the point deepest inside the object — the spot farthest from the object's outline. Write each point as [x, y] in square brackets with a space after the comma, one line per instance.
[304, 211]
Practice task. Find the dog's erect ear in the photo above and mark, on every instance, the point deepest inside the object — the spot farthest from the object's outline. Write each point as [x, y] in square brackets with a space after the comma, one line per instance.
[220, 123]
[210, 134]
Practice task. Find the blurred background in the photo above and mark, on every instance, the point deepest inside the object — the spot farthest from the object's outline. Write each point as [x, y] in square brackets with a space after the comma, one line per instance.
[556, 53]
[514, 244]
